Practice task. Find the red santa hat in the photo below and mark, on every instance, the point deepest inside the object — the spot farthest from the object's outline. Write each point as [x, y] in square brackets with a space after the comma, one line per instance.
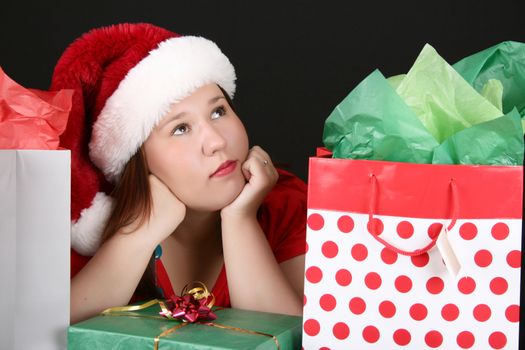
[125, 78]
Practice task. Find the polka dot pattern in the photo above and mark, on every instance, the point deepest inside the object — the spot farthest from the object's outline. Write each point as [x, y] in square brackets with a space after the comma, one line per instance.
[375, 226]
[359, 252]
[371, 334]
[482, 312]
[434, 339]
[466, 285]
[500, 231]
[497, 340]
[330, 249]
[420, 260]
[514, 259]
[483, 258]
[315, 222]
[498, 285]
[388, 256]
[373, 280]
[418, 312]
[314, 274]
[367, 281]
[465, 340]
[450, 312]
[345, 224]
[403, 284]
[402, 337]
[343, 277]
[327, 302]
[468, 231]
[387, 309]
[405, 229]
[434, 230]
[357, 305]
[311, 327]
[512, 313]
[435, 285]
[341, 330]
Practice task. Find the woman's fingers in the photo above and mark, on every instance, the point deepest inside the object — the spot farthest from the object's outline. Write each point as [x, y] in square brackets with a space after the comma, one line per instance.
[263, 161]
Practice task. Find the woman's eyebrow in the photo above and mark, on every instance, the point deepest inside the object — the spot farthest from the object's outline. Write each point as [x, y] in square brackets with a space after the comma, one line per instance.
[166, 121]
[215, 99]
[181, 114]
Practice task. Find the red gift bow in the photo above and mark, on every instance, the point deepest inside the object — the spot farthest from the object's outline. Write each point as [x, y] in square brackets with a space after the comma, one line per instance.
[194, 305]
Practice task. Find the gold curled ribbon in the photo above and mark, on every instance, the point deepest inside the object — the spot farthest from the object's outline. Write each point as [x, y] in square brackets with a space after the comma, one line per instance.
[127, 310]
[199, 291]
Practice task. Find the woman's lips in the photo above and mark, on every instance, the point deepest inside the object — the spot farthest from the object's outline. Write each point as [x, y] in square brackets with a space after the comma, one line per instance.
[225, 168]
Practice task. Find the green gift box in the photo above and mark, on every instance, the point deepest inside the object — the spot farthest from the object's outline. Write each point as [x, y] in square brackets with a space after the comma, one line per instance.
[233, 329]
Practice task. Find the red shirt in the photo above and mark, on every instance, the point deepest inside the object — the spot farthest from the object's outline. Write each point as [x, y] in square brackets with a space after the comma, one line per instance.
[282, 217]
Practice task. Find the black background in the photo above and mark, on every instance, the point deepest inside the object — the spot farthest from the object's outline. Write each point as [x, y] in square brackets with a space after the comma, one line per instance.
[295, 60]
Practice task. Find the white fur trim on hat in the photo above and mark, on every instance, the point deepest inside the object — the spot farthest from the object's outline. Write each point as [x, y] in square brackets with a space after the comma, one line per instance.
[171, 72]
[86, 232]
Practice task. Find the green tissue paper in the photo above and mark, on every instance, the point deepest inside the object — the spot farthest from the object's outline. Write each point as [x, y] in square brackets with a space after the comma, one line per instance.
[444, 102]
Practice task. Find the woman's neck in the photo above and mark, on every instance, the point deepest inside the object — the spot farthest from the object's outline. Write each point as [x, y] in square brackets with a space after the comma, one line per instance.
[199, 230]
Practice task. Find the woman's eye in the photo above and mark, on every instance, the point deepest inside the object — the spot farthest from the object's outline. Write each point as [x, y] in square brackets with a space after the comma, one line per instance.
[218, 112]
[180, 129]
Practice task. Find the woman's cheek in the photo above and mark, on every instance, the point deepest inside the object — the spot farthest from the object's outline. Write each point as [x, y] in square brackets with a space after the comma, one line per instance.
[245, 150]
[240, 137]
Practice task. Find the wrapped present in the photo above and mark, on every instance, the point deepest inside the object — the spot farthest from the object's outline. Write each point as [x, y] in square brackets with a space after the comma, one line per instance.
[147, 329]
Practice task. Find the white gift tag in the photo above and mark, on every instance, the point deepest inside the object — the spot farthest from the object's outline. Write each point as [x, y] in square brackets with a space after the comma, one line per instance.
[447, 253]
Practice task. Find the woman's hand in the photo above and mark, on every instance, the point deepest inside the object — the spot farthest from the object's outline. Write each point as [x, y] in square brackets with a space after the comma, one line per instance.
[261, 176]
[167, 210]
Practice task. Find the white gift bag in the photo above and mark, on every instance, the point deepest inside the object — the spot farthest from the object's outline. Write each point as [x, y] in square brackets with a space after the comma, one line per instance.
[34, 249]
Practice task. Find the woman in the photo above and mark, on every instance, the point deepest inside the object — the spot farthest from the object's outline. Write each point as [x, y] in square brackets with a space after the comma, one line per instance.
[191, 201]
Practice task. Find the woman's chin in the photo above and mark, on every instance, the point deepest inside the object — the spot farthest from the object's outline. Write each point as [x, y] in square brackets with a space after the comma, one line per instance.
[229, 196]
[217, 200]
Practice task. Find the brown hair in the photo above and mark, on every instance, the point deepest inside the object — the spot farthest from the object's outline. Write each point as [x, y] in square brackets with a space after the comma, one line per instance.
[133, 207]
[130, 206]
[133, 204]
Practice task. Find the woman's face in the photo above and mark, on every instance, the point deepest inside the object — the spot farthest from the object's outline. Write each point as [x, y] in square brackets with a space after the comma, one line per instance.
[197, 150]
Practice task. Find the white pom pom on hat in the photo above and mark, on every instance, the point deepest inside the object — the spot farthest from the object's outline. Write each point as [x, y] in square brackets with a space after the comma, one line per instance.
[125, 78]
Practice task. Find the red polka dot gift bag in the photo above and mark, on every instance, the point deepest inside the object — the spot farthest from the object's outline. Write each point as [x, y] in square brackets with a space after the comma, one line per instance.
[375, 277]
[414, 226]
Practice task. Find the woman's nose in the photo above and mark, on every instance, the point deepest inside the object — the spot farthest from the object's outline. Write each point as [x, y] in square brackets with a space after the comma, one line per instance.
[213, 140]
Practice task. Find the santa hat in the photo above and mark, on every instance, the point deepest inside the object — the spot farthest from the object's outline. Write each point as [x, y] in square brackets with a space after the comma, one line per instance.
[125, 78]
